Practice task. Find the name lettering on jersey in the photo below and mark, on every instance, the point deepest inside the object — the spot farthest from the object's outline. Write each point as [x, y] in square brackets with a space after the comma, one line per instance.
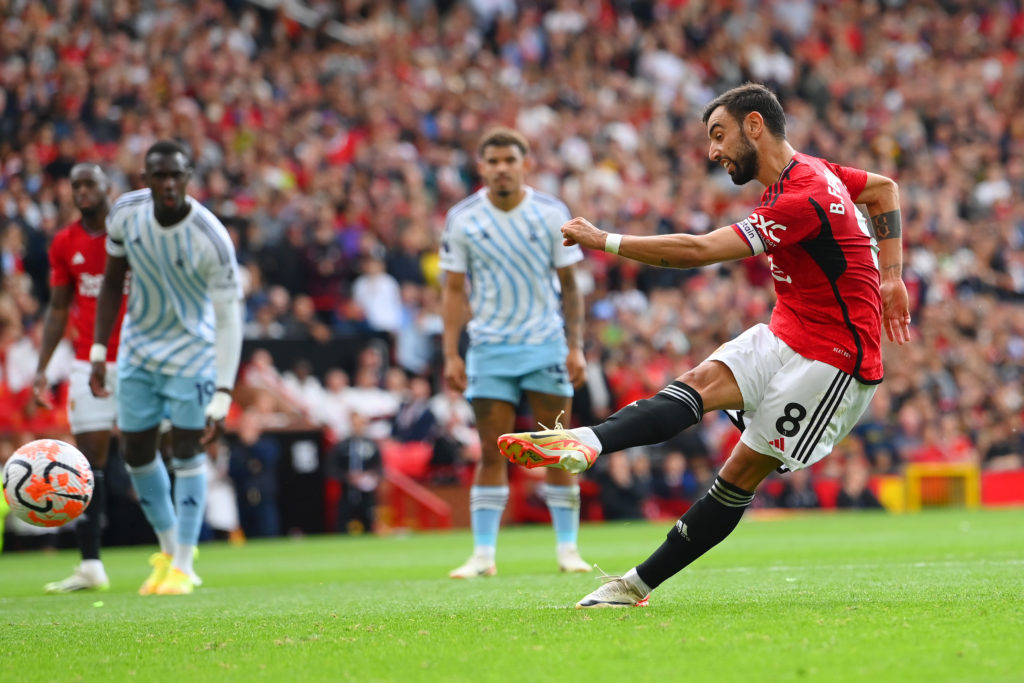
[77, 258]
[842, 352]
[766, 227]
[89, 285]
[835, 188]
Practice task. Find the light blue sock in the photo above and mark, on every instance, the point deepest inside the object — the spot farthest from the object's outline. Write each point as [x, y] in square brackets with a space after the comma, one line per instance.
[190, 497]
[564, 505]
[486, 505]
[154, 488]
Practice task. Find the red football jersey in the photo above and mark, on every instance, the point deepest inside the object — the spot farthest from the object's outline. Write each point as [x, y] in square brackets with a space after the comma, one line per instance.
[825, 269]
[78, 258]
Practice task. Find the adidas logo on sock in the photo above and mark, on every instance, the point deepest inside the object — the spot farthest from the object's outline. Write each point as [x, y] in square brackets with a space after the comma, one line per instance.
[190, 501]
[779, 443]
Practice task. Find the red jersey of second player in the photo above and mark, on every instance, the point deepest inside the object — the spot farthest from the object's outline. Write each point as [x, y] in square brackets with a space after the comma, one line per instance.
[825, 267]
[77, 259]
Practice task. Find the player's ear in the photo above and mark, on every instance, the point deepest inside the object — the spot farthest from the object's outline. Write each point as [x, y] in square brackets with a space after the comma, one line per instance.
[753, 124]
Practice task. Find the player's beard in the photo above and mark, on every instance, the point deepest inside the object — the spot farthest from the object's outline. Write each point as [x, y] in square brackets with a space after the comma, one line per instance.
[745, 164]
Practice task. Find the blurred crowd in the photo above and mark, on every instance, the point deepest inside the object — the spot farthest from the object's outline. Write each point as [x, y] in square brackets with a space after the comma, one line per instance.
[331, 137]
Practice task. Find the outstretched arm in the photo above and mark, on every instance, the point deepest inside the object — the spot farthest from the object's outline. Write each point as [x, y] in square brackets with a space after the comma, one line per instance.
[881, 196]
[667, 251]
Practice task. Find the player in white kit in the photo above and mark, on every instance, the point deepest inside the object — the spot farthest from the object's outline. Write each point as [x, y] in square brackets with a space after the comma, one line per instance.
[180, 350]
[508, 272]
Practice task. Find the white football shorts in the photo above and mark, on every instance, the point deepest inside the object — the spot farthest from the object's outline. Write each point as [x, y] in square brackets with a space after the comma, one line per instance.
[794, 409]
[87, 413]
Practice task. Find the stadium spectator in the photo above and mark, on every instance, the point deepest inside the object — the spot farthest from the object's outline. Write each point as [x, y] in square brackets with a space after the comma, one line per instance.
[378, 295]
[855, 493]
[798, 491]
[621, 495]
[253, 469]
[356, 462]
[335, 411]
[673, 481]
[414, 421]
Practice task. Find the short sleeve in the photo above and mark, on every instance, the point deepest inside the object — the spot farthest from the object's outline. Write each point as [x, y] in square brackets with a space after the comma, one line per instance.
[115, 232]
[60, 269]
[787, 220]
[853, 178]
[562, 256]
[453, 247]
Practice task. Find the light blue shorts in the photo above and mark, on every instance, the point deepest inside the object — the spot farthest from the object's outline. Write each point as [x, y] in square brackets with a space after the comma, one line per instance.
[503, 372]
[145, 398]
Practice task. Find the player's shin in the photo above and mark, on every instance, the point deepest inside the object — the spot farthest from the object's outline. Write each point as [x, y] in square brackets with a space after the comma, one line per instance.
[486, 505]
[153, 486]
[190, 503]
[704, 526]
[90, 524]
[564, 504]
[651, 420]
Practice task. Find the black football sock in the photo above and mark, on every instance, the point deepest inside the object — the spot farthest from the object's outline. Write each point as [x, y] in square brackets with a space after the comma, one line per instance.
[89, 525]
[651, 420]
[704, 525]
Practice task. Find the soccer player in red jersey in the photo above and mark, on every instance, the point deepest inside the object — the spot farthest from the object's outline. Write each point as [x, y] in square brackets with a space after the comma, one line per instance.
[801, 382]
[77, 259]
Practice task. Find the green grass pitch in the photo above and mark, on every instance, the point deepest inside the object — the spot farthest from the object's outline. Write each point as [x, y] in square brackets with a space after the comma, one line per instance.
[936, 596]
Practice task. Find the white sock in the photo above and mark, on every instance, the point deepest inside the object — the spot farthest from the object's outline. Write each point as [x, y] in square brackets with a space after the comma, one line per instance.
[93, 566]
[587, 436]
[485, 552]
[632, 578]
[566, 548]
[183, 555]
[167, 539]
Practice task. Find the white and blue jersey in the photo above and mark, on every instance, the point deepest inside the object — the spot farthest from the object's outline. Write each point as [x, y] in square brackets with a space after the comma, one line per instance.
[178, 271]
[510, 260]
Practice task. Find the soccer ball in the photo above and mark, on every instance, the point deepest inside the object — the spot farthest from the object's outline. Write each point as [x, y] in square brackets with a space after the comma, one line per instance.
[47, 482]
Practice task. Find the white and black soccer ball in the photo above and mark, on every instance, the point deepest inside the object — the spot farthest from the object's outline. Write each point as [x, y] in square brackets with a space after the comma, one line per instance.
[47, 482]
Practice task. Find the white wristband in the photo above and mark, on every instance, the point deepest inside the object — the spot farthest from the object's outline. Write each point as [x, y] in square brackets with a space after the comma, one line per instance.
[217, 408]
[612, 242]
[98, 353]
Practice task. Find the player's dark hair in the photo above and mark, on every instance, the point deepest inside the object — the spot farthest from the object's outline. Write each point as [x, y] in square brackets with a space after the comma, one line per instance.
[749, 97]
[503, 137]
[168, 147]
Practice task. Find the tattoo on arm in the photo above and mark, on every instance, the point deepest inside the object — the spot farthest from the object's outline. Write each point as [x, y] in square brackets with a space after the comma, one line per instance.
[887, 225]
[895, 270]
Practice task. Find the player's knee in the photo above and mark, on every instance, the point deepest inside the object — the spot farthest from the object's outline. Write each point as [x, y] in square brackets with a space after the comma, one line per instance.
[185, 447]
[715, 383]
[746, 468]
